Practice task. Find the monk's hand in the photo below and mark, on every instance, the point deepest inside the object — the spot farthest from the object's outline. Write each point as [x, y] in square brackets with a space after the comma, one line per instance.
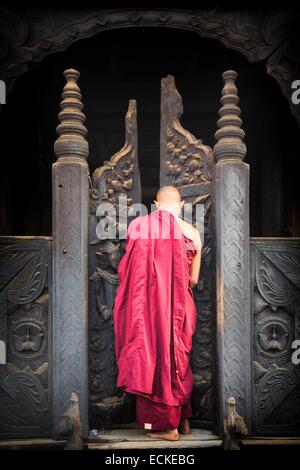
[193, 282]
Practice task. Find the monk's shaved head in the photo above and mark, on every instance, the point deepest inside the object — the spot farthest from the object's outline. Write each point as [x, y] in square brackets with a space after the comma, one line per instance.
[168, 194]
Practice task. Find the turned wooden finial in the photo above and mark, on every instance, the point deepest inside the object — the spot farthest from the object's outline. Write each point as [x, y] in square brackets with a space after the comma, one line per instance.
[71, 130]
[229, 135]
[234, 426]
[71, 426]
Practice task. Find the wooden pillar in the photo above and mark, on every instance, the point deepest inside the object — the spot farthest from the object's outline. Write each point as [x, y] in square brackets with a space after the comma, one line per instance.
[70, 191]
[231, 238]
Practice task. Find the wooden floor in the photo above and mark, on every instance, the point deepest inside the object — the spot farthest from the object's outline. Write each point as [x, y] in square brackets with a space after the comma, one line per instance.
[137, 439]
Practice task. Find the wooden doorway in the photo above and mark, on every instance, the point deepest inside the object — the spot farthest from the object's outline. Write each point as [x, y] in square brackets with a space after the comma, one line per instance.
[186, 163]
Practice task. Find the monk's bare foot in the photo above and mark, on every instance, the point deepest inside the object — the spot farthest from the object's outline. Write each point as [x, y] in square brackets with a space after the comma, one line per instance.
[184, 426]
[170, 435]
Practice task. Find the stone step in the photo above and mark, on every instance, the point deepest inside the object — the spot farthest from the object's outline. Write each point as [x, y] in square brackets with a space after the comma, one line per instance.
[33, 443]
[137, 439]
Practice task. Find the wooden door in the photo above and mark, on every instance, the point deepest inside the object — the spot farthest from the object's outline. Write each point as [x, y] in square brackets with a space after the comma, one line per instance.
[186, 163]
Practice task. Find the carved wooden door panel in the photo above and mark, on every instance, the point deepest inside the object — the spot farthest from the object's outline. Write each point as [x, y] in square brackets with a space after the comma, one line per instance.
[118, 176]
[275, 283]
[187, 164]
[25, 329]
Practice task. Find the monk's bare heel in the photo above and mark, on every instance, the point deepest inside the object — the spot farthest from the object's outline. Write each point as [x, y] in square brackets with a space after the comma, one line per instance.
[164, 435]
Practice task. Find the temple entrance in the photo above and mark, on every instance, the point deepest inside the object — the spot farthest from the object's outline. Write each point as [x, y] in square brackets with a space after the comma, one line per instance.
[155, 136]
[127, 63]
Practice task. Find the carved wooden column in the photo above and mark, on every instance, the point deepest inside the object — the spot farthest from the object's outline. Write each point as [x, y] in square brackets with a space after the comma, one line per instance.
[70, 257]
[231, 231]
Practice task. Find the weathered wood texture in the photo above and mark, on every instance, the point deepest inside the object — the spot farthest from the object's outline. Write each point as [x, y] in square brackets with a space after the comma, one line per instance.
[70, 257]
[25, 327]
[119, 177]
[275, 316]
[231, 226]
[185, 162]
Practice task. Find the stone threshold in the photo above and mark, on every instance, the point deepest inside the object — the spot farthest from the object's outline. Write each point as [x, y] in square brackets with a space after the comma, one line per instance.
[137, 439]
[33, 442]
[270, 441]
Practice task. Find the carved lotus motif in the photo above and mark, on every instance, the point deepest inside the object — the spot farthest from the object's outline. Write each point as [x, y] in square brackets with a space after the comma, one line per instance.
[273, 338]
[28, 343]
[27, 338]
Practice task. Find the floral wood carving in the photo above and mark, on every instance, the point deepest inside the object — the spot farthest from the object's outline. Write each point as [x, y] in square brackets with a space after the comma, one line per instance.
[117, 177]
[276, 324]
[25, 381]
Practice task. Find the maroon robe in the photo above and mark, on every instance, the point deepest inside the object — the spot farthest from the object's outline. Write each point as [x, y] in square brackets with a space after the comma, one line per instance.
[154, 311]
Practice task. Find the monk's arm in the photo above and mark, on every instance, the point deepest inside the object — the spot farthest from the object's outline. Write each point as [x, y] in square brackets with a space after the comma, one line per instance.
[195, 269]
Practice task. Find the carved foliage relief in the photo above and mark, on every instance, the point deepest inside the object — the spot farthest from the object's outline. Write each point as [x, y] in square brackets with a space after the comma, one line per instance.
[25, 381]
[117, 177]
[276, 324]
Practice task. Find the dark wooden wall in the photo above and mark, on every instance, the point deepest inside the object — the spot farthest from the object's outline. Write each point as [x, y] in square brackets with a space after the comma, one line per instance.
[118, 65]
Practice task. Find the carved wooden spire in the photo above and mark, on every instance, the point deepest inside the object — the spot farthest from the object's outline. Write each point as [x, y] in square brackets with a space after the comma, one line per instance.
[71, 130]
[229, 136]
[230, 207]
[70, 226]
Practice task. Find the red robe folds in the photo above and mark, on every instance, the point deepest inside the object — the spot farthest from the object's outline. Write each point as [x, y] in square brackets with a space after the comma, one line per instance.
[154, 311]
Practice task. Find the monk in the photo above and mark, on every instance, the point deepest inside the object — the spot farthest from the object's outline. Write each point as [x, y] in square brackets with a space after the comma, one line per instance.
[155, 316]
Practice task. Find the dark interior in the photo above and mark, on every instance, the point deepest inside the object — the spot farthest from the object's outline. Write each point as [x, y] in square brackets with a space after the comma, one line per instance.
[128, 63]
